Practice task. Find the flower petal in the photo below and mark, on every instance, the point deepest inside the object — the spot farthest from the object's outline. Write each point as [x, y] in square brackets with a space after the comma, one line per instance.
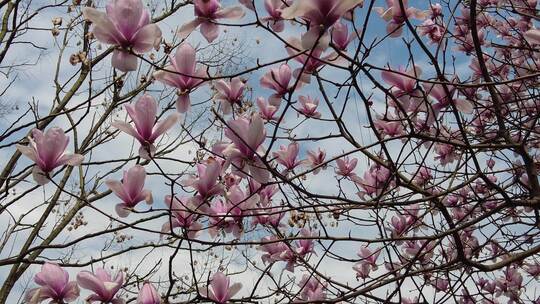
[124, 61]
[146, 38]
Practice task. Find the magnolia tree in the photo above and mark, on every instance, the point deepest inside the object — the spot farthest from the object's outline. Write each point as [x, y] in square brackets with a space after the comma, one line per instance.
[276, 151]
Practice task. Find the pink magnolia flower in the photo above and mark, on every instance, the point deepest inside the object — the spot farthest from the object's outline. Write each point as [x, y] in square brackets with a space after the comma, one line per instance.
[287, 156]
[47, 151]
[273, 249]
[376, 180]
[148, 295]
[402, 80]
[207, 183]
[446, 154]
[264, 213]
[309, 106]
[390, 127]
[312, 289]
[341, 37]
[207, 13]
[265, 192]
[310, 60]
[404, 89]
[437, 92]
[228, 214]
[321, 14]
[399, 225]
[125, 24]
[146, 130]
[103, 285]
[423, 176]
[55, 285]
[279, 251]
[220, 289]
[396, 17]
[316, 159]
[274, 9]
[346, 166]
[367, 263]
[304, 246]
[130, 190]
[268, 215]
[266, 110]
[247, 136]
[277, 79]
[487, 285]
[229, 93]
[533, 269]
[440, 284]
[182, 215]
[182, 74]
[510, 285]
[432, 30]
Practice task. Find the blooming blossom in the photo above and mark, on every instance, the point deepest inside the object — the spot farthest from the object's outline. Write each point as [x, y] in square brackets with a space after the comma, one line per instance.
[267, 110]
[146, 130]
[367, 263]
[207, 13]
[229, 93]
[346, 166]
[103, 285]
[228, 213]
[274, 9]
[182, 74]
[207, 183]
[309, 106]
[54, 285]
[287, 156]
[148, 295]
[182, 215]
[47, 151]
[126, 25]
[321, 14]
[316, 159]
[220, 289]
[247, 136]
[312, 289]
[130, 190]
[277, 79]
[396, 17]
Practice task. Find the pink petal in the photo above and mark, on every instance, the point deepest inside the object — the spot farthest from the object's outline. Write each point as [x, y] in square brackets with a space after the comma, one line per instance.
[122, 210]
[184, 60]
[71, 292]
[183, 103]
[298, 9]
[127, 128]
[88, 280]
[104, 30]
[164, 125]
[124, 61]
[146, 38]
[39, 176]
[118, 189]
[234, 289]
[27, 151]
[71, 159]
[147, 151]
